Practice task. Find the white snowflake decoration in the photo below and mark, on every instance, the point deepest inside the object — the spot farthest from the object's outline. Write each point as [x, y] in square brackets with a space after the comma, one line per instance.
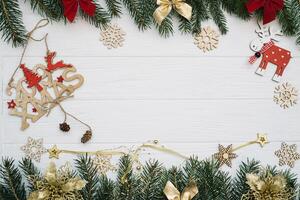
[103, 163]
[34, 149]
[112, 36]
[207, 39]
[285, 95]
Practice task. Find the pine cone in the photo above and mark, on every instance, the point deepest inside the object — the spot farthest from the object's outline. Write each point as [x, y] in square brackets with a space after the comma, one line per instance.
[86, 137]
[64, 127]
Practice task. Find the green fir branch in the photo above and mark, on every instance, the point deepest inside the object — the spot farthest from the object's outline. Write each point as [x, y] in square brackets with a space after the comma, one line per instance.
[11, 24]
[213, 183]
[30, 171]
[240, 186]
[51, 9]
[114, 7]
[11, 181]
[127, 182]
[166, 27]
[106, 189]
[237, 7]
[289, 17]
[218, 15]
[200, 14]
[151, 185]
[100, 19]
[89, 173]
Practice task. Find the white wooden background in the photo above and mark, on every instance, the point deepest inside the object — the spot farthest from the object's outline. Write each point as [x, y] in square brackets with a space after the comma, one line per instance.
[156, 88]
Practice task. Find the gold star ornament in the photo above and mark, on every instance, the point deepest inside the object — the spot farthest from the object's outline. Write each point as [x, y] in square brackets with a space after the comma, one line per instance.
[262, 139]
[54, 152]
[225, 155]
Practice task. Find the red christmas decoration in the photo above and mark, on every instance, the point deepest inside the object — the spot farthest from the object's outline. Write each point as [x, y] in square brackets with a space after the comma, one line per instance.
[275, 55]
[60, 79]
[53, 66]
[11, 104]
[34, 110]
[32, 79]
[271, 7]
[71, 8]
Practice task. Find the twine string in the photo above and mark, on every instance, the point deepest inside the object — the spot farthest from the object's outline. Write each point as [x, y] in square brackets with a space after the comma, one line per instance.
[42, 23]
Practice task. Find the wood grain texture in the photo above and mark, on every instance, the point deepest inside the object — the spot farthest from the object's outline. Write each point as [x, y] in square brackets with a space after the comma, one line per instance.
[155, 88]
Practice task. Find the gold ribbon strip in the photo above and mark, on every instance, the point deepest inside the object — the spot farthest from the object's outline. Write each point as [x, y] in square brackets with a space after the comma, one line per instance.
[165, 7]
[188, 193]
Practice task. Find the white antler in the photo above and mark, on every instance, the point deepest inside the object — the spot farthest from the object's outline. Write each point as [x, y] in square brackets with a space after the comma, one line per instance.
[274, 35]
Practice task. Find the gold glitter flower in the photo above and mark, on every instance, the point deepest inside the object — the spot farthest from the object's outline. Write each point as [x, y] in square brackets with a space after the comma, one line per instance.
[285, 95]
[34, 149]
[112, 36]
[207, 39]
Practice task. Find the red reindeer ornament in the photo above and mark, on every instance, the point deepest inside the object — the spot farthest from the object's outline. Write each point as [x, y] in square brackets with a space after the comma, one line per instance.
[264, 46]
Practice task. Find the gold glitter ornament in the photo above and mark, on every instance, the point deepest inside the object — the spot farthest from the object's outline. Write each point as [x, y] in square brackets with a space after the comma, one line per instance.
[287, 154]
[103, 163]
[207, 39]
[57, 186]
[112, 36]
[225, 155]
[285, 95]
[34, 149]
[267, 188]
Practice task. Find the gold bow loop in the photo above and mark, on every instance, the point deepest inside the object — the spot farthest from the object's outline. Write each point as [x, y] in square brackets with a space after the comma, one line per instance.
[188, 193]
[165, 7]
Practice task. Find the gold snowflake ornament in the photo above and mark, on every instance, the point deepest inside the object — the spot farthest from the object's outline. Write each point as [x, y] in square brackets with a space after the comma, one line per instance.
[112, 36]
[225, 155]
[103, 163]
[287, 154]
[207, 39]
[34, 149]
[285, 95]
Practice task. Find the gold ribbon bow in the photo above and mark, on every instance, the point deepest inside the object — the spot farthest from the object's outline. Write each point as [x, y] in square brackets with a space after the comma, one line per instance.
[188, 193]
[165, 7]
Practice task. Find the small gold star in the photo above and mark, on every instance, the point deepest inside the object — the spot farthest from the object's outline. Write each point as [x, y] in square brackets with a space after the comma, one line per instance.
[54, 152]
[262, 139]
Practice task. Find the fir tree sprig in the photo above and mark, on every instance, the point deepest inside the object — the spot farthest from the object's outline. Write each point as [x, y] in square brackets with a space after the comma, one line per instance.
[51, 9]
[30, 171]
[11, 181]
[89, 173]
[114, 7]
[239, 184]
[106, 189]
[151, 184]
[11, 24]
[218, 15]
[100, 19]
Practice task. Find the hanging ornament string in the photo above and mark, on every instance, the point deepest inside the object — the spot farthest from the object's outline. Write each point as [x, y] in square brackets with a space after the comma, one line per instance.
[64, 126]
[42, 23]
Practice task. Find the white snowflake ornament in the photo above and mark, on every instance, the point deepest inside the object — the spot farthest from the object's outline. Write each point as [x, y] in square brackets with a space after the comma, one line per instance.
[207, 39]
[34, 149]
[103, 163]
[285, 95]
[112, 36]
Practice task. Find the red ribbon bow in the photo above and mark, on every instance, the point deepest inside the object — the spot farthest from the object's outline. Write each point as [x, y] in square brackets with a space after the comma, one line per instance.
[71, 7]
[271, 7]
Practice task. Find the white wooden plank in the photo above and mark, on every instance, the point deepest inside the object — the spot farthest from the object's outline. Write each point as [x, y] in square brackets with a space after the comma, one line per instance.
[172, 121]
[202, 150]
[168, 78]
